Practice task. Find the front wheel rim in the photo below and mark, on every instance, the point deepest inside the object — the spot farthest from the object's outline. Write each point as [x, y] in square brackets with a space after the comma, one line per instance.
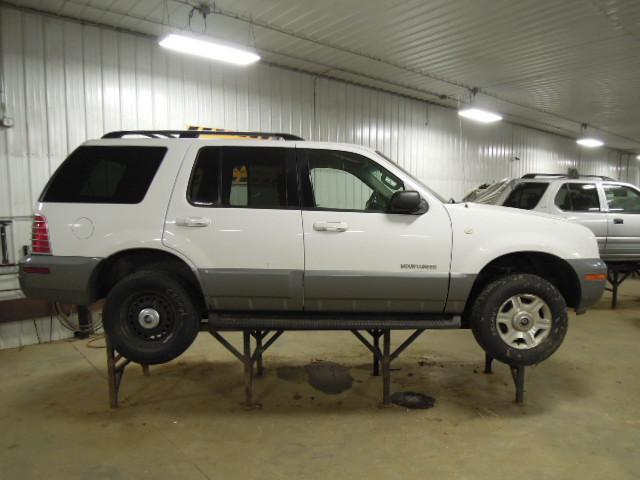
[524, 321]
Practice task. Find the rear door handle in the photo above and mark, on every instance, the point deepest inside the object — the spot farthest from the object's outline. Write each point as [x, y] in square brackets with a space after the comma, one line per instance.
[192, 222]
[330, 226]
[618, 221]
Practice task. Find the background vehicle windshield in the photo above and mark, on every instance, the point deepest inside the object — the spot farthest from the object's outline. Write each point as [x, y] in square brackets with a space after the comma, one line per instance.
[419, 182]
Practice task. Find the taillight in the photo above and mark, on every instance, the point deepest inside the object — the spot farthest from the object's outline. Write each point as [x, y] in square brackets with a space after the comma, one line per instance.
[40, 236]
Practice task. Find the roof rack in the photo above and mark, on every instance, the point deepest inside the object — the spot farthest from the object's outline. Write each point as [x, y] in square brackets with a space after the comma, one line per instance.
[198, 133]
[564, 175]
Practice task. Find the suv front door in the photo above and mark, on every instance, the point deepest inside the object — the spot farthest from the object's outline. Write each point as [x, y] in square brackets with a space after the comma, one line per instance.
[623, 239]
[359, 257]
[235, 214]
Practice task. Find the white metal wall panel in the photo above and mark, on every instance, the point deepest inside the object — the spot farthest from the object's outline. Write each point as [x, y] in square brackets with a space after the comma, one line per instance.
[66, 82]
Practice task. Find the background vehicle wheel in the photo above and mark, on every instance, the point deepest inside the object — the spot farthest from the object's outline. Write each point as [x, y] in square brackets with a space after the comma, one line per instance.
[519, 319]
[150, 317]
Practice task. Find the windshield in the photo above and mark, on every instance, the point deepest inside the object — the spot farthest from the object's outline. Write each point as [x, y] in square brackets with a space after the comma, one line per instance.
[428, 189]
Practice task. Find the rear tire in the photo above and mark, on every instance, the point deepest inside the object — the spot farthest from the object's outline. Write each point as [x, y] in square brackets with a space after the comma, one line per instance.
[519, 319]
[150, 317]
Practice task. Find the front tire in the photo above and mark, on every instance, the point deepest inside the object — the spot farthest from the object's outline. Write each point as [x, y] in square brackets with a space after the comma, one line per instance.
[150, 318]
[519, 319]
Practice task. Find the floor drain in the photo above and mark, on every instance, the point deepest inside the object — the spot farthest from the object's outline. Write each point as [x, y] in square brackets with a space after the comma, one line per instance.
[413, 400]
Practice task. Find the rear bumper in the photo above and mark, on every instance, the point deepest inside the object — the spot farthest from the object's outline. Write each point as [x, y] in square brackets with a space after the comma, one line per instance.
[591, 290]
[58, 279]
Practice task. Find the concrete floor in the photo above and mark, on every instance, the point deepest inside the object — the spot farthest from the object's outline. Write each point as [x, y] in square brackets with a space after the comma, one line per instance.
[581, 418]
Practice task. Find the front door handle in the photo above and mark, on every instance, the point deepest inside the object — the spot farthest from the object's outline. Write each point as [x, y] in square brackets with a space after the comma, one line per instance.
[618, 221]
[330, 226]
[192, 222]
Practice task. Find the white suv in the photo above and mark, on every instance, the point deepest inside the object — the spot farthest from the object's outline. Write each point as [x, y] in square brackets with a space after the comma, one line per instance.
[175, 231]
[611, 209]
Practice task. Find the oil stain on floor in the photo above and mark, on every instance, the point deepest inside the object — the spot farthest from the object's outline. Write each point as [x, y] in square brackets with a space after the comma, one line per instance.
[413, 400]
[328, 377]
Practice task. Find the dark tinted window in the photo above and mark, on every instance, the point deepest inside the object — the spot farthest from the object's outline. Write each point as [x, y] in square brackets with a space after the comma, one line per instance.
[104, 175]
[578, 197]
[622, 199]
[253, 177]
[526, 195]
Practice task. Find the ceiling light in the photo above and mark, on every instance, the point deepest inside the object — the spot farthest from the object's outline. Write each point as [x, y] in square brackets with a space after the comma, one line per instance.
[638, 157]
[589, 142]
[479, 115]
[208, 49]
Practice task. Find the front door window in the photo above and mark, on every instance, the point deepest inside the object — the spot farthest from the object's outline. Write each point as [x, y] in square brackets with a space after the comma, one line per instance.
[622, 199]
[348, 181]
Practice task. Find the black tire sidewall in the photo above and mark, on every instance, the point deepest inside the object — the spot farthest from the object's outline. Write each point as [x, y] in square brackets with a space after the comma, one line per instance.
[485, 311]
[185, 317]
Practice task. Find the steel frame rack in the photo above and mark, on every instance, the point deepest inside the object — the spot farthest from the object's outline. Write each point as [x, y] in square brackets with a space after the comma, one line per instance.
[517, 374]
[251, 356]
[116, 365]
[618, 273]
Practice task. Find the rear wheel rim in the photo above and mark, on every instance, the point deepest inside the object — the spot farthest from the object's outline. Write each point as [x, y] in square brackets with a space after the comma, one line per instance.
[150, 317]
[524, 321]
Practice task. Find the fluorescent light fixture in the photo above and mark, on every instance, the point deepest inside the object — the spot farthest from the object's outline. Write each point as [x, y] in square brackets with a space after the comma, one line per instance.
[208, 49]
[482, 116]
[589, 142]
[638, 157]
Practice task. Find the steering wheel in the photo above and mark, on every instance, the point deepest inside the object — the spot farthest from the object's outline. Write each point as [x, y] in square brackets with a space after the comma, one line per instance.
[376, 202]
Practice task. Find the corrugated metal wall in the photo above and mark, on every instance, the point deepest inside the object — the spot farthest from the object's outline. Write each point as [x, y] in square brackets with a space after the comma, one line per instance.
[66, 82]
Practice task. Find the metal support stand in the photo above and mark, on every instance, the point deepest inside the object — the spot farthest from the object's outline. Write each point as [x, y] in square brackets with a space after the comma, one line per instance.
[385, 356]
[488, 363]
[376, 334]
[264, 338]
[618, 273]
[116, 365]
[517, 374]
[249, 357]
[85, 322]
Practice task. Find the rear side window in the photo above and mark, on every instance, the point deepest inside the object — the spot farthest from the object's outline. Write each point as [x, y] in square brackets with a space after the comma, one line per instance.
[250, 177]
[578, 197]
[104, 175]
[526, 195]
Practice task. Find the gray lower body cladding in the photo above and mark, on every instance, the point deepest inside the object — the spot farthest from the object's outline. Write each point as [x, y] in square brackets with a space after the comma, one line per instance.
[352, 291]
[459, 289]
[324, 291]
[68, 279]
[252, 289]
[590, 290]
[58, 279]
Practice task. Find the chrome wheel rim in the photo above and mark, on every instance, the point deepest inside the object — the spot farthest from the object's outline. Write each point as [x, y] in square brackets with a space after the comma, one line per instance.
[524, 321]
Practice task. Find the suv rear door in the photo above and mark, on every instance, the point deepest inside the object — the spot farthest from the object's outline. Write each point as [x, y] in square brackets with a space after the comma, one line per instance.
[623, 206]
[235, 214]
[359, 257]
[580, 202]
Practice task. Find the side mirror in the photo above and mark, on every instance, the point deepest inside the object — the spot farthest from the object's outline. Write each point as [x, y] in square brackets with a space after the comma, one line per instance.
[408, 202]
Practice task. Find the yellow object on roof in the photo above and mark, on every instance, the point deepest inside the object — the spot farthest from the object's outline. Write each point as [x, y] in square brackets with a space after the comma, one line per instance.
[226, 137]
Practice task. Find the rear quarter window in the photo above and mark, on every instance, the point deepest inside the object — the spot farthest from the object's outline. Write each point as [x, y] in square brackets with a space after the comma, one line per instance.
[526, 195]
[96, 174]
